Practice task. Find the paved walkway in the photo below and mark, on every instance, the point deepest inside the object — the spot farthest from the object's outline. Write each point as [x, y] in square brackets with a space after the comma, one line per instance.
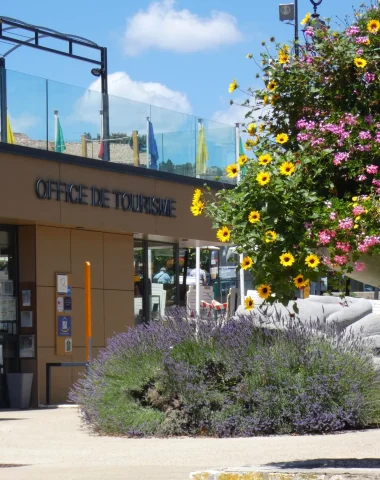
[54, 445]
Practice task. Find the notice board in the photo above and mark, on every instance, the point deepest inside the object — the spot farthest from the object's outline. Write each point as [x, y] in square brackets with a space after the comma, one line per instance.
[63, 314]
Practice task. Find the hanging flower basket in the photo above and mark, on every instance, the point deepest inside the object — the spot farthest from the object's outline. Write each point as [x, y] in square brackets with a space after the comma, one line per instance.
[310, 174]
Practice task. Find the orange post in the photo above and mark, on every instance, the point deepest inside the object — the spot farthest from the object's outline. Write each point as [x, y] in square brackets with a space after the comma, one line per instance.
[88, 312]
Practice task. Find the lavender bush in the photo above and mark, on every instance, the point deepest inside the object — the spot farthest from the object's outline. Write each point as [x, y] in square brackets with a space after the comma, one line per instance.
[235, 378]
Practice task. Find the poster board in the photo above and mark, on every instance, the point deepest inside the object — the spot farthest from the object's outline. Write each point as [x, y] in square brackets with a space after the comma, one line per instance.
[63, 314]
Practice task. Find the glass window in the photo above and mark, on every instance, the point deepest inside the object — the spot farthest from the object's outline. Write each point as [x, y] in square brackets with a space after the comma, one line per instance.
[8, 302]
[162, 275]
[138, 278]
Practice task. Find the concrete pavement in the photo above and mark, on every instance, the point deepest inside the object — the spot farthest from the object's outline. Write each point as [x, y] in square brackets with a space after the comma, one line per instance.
[54, 445]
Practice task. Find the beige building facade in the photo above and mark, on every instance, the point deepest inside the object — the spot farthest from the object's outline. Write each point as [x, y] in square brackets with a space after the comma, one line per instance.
[59, 211]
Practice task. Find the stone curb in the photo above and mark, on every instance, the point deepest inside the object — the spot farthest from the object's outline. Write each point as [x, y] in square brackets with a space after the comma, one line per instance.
[265, 473]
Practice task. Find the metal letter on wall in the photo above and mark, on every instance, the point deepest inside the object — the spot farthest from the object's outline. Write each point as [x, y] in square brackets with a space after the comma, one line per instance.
[63, 314]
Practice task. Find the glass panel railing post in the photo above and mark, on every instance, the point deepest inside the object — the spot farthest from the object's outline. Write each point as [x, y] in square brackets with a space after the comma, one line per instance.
[3, 106]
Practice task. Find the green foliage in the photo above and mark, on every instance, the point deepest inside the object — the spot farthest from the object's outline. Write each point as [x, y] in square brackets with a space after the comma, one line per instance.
[239, 378]
[319, 121]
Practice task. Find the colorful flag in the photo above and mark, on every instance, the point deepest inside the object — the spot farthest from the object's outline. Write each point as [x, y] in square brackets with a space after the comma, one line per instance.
[202, 153]
[10, 136]
[59, 140]
[241, 152]
[101, 150]
[153, 150]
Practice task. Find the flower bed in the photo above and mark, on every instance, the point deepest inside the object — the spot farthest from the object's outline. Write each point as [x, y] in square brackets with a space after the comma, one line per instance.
[232, 379]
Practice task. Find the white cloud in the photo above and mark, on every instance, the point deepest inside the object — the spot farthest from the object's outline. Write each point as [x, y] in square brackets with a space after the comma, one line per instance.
[235, 113]
[231, 115]
[127, 115]
[23, 122]
[163, 27]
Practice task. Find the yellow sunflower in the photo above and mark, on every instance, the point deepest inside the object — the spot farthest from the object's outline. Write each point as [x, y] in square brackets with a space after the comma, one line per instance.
[282, 138]
[246, 263]
[264, 291]
[265, 159]
[263, 178]
[251, 142]
[360, 62]
[262, 127]
[367, 42]
[270, 236]
[223, 234]
[243, 159]
[287, 168]
[249, 303]
[272, 85]
[283, 58]
[232, 170]
[249, 55]
[274, 99]
[251, 129]
[254, 216]
[197, 195]
[287, 259]
[197, 208]
[265, 100]
[312, 261]
[373, 26]
[299, 281]
[306, 19]
[233, 86]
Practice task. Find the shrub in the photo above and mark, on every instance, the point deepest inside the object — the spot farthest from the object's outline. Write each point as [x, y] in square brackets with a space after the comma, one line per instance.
[236, 378]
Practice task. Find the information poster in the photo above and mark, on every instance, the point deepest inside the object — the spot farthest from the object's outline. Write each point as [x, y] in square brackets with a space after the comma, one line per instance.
[27, 346]
[63, 314]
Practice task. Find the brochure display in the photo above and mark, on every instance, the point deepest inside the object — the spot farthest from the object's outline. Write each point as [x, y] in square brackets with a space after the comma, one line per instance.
[63, 312]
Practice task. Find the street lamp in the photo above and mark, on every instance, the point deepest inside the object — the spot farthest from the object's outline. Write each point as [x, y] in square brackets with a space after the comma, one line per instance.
[290, 12]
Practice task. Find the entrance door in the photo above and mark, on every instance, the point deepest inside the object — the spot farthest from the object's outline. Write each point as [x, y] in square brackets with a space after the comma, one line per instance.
[8, 307]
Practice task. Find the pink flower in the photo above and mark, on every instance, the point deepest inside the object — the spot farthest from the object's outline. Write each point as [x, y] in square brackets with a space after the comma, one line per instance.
[361, 178]
[365, 135]
[360, 52]
[340, 157]
[359, 266]
[324, 237]
[332, 215]
[377, 139]
[372, 169]
[344, 246]
[358, 210]
[345, 224]
[340, 259]
[376, 182]
[369, 77]
[368, 119]
[361, 40]
[351, 31]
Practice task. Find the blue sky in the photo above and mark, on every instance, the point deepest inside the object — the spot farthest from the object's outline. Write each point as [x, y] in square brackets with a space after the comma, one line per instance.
[189, 49]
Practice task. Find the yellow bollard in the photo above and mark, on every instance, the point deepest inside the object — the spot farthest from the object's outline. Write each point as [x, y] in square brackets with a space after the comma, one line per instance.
[88, 312]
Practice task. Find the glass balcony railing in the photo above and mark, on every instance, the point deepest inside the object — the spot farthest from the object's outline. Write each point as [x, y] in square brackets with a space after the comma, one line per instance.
[58, 117]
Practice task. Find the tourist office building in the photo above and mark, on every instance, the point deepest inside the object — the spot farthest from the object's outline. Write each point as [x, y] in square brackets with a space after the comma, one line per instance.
[58, 212]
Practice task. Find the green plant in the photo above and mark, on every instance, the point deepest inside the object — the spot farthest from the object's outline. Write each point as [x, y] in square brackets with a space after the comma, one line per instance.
[313, 179]
[238, 378]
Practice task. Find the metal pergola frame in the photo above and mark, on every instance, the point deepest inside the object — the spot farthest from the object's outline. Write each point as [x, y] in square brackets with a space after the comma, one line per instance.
[33, 34]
